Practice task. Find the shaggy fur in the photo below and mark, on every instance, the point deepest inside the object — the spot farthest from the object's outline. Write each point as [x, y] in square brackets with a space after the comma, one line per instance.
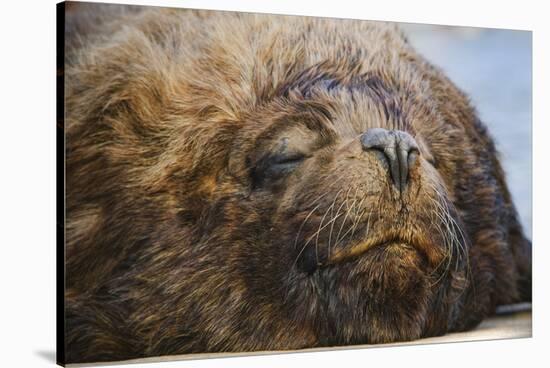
[218, 197]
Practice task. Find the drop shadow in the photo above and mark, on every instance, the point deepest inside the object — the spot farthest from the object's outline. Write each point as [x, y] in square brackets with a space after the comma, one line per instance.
[48, 355]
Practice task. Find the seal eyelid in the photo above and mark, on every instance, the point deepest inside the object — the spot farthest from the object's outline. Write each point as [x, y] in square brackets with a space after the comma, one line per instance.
[281, 159]
[276, 166]
[280, 164]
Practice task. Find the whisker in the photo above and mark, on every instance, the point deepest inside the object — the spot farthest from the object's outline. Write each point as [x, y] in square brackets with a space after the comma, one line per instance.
[304, 247]
[333, 222]
[358, 216]
[454, 231]
[344, 202]
[347, 214]
[321, 226]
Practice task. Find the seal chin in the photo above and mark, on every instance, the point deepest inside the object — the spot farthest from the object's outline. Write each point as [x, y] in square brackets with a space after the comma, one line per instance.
[357, 293]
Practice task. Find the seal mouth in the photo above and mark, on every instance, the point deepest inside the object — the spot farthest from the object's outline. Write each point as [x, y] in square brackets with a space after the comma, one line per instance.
[417, 236]
[359, 249]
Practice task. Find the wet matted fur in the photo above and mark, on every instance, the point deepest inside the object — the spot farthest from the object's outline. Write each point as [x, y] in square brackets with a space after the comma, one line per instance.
[220, 195]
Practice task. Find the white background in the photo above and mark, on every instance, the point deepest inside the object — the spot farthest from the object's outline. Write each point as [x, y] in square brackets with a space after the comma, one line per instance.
[27, 182]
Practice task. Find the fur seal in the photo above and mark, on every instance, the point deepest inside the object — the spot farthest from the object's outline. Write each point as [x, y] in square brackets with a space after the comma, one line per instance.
[241, 182]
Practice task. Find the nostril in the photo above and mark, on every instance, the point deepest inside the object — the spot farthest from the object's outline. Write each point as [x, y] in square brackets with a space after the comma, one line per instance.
[413, 155]
[399, 149]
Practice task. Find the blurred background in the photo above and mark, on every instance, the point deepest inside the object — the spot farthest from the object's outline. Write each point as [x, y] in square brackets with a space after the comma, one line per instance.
[493, 67]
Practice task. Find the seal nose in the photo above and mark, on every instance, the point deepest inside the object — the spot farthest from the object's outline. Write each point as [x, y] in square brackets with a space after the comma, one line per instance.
[399, 148]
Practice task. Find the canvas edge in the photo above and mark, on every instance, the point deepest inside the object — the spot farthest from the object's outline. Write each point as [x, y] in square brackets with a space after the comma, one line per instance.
[60, 184]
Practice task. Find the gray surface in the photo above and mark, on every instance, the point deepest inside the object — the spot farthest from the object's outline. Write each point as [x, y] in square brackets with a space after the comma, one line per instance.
[494, 68]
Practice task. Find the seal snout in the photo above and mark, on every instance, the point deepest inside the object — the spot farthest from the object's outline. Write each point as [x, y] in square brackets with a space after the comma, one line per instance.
[399, 148]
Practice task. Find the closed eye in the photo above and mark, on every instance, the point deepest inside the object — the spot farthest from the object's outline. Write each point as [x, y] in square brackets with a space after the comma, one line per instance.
[274, 167]
[286, 159]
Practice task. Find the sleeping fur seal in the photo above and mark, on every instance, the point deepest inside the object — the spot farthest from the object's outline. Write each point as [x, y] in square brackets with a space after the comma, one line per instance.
[241, 182]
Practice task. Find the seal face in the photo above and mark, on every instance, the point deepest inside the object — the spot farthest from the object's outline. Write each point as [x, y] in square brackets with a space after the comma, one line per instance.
[241, 182]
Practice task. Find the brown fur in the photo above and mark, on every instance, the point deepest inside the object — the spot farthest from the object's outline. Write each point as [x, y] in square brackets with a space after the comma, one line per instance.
[178, 238]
